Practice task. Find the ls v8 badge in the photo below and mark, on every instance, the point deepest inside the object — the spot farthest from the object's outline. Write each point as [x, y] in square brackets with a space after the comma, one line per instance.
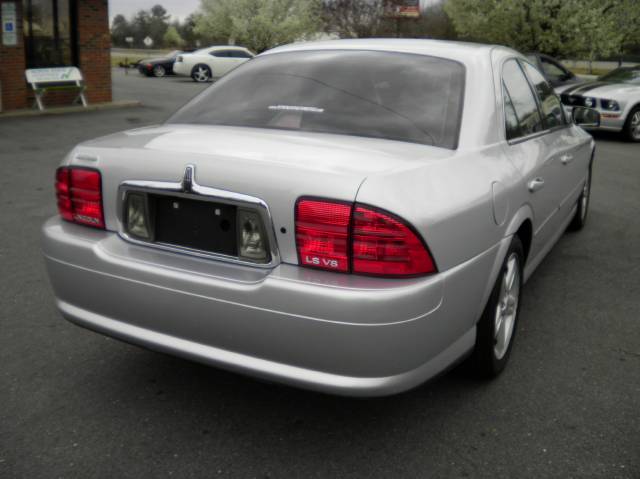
[324, 262]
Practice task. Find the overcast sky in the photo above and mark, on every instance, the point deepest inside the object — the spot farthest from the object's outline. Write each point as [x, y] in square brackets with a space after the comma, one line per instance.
[179, 9]
[176, 8]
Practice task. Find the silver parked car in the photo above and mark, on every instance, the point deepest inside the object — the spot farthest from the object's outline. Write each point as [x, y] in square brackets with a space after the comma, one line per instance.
[616, 96]
[349, 216]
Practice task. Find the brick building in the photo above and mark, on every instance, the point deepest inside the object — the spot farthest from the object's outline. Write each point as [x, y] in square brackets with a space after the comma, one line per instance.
[48, 33]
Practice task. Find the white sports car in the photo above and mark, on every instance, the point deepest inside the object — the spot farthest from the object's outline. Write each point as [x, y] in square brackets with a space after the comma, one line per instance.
[615, 95]
[212, 62]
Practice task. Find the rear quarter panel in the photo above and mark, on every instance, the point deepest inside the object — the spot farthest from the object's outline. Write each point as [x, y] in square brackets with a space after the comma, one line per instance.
[450, 201]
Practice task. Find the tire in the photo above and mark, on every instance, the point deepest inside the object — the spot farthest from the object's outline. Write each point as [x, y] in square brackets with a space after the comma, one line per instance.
[159, 71]
[201, 73]
[631, 128]
[497, 326]
[580, 218]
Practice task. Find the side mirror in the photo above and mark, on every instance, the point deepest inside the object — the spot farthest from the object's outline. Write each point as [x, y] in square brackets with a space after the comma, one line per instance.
[585, 117]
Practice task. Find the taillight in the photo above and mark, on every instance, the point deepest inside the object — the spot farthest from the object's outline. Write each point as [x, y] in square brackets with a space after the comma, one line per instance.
[63, 185]
[384, 245]
[79, 194]
[341, 236]
[322, 234]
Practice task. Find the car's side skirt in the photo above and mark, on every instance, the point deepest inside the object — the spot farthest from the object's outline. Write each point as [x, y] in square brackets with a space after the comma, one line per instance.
[533, 263]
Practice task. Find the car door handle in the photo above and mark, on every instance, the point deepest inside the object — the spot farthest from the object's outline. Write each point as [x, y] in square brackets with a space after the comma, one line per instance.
[535, 184]
[566, 159]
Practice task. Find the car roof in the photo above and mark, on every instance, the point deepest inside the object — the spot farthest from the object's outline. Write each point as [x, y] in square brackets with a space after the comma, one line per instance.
[225, 47]
[464, 52]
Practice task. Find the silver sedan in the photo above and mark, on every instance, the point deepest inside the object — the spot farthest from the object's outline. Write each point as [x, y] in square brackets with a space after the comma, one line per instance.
[350, 216]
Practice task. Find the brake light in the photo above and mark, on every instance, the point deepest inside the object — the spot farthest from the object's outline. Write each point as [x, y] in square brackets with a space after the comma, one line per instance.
[384, 245]
[79, 194]
[63, 194]
[322, 234]
[339, 236]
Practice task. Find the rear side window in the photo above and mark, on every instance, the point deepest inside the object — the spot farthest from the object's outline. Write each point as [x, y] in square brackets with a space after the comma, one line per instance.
[511, 119]
[238, 54]
[220, 53]
[521, 98]
[552, 112]
[551, 69]
[397, 96]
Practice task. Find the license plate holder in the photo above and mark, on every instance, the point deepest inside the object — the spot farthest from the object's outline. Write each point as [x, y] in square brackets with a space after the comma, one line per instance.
[195, 224]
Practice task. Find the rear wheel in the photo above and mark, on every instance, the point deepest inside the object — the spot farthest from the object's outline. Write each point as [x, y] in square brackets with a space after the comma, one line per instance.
[159, 71]
[580, 218]
[201, 73]
[632, 125]
[497, 326]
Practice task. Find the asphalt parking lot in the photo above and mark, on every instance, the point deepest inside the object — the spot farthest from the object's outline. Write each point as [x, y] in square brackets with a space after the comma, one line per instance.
[76, 404]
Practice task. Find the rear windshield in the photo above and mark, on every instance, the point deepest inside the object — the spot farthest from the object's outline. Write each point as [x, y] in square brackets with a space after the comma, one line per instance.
[396, 96]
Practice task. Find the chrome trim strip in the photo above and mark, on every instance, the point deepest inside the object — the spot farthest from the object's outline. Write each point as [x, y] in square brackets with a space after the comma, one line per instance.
[189, 188]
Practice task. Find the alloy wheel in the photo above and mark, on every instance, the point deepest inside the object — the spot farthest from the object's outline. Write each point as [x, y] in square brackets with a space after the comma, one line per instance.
[201, 74]
[158, 71]
[507, 308]
[635, 125]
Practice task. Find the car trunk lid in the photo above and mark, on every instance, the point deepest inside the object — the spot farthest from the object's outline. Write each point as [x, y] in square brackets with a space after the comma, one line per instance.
[275, 166]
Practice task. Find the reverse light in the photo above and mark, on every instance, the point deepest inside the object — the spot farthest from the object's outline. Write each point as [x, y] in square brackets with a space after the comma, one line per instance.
[79, 195]
[251, 236]
[137, 220]
[339, 236]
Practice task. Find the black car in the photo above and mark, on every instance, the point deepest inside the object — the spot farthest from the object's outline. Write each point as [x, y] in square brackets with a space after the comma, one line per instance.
[553, 70]
[158, 67]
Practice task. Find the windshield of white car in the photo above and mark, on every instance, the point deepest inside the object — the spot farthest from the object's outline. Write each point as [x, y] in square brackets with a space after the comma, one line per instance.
[623, 75]
[397, 96]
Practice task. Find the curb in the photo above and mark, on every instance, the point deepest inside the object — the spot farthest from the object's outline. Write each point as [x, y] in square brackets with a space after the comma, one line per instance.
[72, 109]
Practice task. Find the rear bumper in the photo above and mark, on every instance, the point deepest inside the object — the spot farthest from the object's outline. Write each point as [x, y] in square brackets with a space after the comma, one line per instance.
[329, 332]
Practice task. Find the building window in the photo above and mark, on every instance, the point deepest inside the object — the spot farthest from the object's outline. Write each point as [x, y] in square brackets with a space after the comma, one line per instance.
[50, 33]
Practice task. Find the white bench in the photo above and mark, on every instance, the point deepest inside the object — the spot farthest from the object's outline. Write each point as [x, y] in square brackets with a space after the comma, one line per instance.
[43, 80]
